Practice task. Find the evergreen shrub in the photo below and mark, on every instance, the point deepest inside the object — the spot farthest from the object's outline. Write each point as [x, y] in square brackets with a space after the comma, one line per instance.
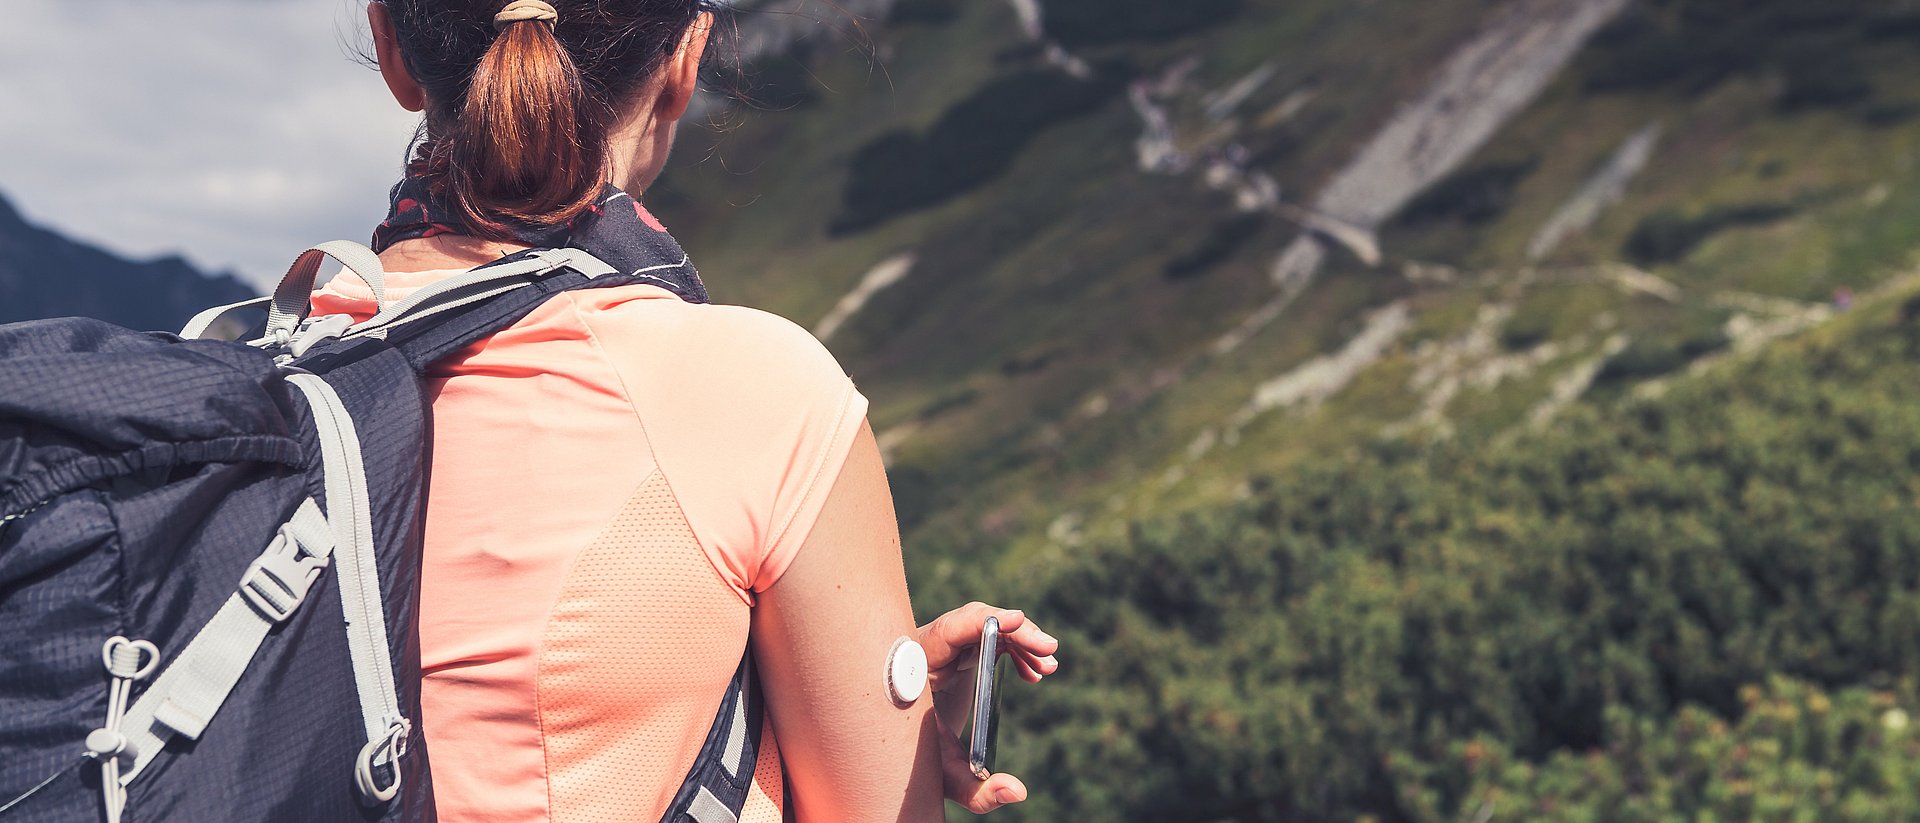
[971, 144]
[1569, 626]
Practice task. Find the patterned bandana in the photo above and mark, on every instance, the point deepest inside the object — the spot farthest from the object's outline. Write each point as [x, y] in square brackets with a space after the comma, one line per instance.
[616, 229]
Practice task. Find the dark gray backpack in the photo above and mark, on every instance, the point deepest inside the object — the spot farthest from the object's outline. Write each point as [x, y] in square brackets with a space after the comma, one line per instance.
[209, 559]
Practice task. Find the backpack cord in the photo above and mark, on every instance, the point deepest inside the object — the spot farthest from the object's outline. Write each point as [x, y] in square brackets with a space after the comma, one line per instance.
[106, 744]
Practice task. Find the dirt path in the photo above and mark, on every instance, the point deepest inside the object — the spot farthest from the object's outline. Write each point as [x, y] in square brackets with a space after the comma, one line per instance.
[1322, 377]
[1605, 188]
[1574, 383]
[878, 278]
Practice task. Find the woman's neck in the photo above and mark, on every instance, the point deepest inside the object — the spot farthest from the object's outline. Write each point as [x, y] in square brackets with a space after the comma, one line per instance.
[445, 251]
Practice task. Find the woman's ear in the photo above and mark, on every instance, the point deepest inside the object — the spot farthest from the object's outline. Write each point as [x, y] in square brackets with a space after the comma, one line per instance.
[393, 67]
[682, 71]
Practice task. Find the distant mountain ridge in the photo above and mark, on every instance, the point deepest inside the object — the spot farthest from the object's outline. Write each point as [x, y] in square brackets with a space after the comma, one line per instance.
[45, 274]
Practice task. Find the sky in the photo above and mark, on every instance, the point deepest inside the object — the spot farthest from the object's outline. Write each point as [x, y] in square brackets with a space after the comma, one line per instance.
[233, 132]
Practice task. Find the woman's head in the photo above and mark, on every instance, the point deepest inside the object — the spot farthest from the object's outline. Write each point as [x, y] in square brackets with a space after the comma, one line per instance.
[527, 115]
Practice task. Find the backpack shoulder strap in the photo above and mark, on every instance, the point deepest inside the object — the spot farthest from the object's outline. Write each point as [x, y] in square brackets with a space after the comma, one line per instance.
[448, 317]
[498, 306]
[451, 314]
[722, 776]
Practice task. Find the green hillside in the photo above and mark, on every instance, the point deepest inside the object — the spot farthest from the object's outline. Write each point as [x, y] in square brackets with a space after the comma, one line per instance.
[1569, 477]
[1048, 360]
[1584, 624]
[1045, 286]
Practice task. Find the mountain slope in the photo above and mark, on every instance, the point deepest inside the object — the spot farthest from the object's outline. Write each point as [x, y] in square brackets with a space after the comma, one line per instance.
[1104, 317]
[43, 274]
[1586, 493]
[1044, 287]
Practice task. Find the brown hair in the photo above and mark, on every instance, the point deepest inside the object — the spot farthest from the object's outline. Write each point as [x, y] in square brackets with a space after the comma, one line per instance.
[518, 119]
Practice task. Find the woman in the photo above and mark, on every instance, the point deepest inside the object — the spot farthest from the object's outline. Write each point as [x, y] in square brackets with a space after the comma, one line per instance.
[629, 485]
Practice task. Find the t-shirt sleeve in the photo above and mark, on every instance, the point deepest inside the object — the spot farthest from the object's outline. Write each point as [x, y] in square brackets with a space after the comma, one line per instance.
[750, 418]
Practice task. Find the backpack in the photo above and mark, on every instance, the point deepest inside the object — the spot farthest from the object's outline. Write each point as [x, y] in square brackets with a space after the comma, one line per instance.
[210, 554]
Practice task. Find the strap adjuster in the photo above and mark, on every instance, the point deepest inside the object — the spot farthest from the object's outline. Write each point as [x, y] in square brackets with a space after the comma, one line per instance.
[315, 330]
[570, 258]
[277, 581]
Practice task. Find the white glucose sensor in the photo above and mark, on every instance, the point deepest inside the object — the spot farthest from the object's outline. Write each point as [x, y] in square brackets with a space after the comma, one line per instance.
[906, 671]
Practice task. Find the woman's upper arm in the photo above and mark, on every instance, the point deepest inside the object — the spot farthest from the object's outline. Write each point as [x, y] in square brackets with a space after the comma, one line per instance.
[821, 634]
[762, 438]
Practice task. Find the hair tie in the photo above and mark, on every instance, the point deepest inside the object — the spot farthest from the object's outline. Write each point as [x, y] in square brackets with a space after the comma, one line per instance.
[519, 10]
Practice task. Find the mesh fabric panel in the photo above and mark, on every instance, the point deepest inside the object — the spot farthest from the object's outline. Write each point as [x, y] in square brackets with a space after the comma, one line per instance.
[637, 654]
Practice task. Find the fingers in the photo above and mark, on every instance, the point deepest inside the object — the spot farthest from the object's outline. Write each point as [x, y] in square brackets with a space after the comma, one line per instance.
[1032, 650]
[950, 635]
[1028, 637]
[1030, 668]
[981, 796]
[993, 792]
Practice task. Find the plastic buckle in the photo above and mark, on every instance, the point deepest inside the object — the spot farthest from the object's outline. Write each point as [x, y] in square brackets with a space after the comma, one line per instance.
[277, 581]
[384, 750]
[314, 330]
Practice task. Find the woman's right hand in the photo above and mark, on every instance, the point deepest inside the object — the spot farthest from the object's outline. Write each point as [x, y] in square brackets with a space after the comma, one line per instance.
[949, 641]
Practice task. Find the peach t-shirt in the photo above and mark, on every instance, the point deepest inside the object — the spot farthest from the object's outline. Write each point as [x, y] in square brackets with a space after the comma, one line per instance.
[613, 478]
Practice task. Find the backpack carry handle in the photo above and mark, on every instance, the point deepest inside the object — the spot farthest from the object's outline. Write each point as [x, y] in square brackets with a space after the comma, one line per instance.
[205, 322]
[292, 297]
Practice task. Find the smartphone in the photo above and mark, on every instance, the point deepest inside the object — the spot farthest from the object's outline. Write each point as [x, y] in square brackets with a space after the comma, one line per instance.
[986, 701]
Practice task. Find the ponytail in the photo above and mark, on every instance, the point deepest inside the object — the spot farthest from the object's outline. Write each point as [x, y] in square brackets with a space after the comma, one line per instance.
[523, 147]
[518, 119]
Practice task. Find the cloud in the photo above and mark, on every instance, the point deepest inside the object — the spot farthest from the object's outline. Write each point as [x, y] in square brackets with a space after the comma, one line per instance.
[235, 132]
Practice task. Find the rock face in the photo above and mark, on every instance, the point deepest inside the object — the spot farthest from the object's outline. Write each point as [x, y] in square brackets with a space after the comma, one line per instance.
[43, 274]
[1478, 89]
